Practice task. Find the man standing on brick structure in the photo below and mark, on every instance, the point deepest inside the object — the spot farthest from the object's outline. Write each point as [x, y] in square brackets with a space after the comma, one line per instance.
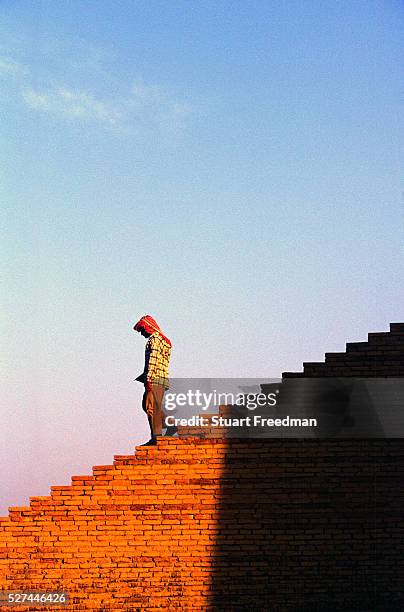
[155, 375]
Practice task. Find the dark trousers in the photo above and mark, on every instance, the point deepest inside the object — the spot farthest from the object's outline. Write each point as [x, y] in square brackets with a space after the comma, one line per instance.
[152, 405]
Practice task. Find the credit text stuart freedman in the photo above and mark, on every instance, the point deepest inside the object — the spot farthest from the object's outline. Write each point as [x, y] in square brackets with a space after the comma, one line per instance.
[248, 421]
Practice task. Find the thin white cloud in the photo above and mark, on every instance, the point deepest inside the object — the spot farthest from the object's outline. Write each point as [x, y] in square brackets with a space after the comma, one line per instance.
[74, 104]
[36, 100]
[143, 107]
[143, 93]
[145, 96]
[12, 68]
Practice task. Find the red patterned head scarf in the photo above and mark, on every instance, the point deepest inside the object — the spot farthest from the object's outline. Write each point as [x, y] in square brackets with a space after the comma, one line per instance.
[150, 326]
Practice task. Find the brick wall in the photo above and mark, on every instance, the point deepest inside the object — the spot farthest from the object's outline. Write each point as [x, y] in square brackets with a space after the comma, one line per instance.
[138, 534]
[216, 524]
[381, 355]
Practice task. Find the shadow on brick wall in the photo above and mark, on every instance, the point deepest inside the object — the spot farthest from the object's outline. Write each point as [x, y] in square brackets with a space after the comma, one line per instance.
[310, 525]
[315, 524]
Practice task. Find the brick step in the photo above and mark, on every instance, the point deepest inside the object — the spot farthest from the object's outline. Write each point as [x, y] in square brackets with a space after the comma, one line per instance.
[37, 502]
[19, 508]
[313, 366]
[394, 344]
[356, 346]
[20, 512]
[364, 356]
[40, 498]
[397, 328]
[82, 480]
[380, 338]
[292, 374]
[335, 357]
[124, 460]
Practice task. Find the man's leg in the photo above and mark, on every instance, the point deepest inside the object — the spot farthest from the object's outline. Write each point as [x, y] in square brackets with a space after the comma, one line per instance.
[158, 394]
[148, 407]
[152, 405]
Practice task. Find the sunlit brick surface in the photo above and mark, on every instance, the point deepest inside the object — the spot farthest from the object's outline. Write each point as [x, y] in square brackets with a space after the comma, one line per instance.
[138, 534]
[215, 524]
[199, 524]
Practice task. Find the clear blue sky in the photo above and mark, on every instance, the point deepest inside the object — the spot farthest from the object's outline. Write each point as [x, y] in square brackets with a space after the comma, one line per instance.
[232, 168]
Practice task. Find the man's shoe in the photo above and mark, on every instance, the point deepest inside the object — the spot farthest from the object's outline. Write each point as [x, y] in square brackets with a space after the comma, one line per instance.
[171, 430]
[151, 442]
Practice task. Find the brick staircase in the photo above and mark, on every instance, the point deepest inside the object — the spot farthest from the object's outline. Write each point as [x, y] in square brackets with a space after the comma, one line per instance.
[120, 538]
[216, 524]
[381, 355]
[209, 525]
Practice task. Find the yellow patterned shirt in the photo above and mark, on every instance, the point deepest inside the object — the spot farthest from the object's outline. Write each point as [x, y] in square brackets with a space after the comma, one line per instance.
[157, 358]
